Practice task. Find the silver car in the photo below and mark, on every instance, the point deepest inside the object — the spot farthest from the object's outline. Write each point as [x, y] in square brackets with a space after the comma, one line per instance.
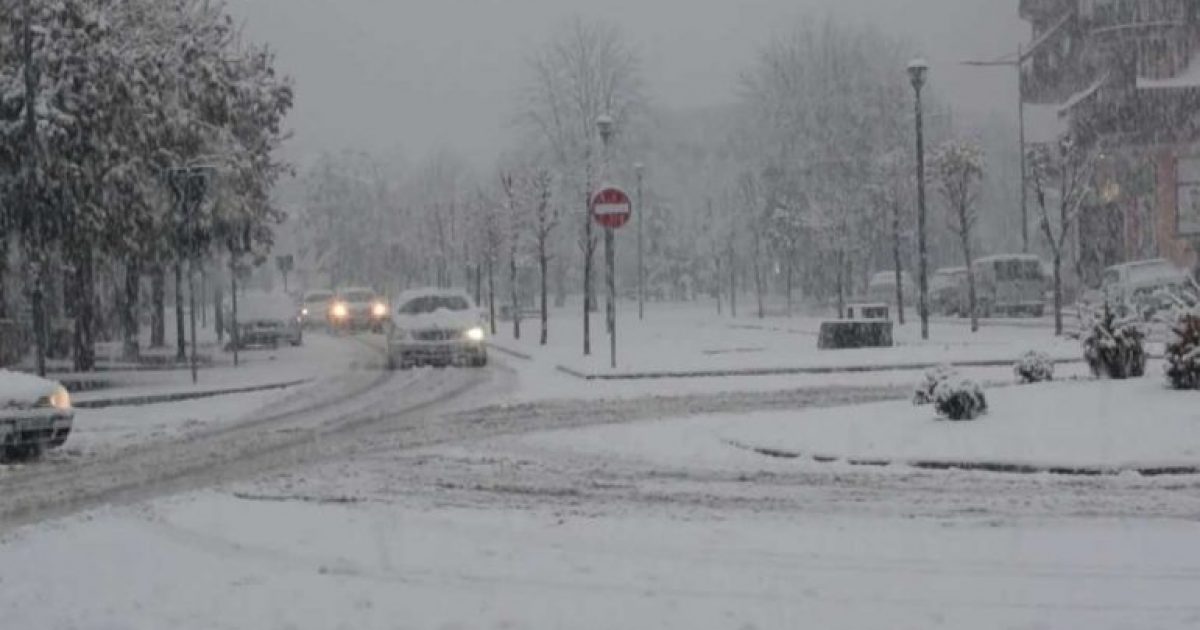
[35, 414]
[436, 327]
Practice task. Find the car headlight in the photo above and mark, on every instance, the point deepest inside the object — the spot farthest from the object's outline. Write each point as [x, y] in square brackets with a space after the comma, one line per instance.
[379, 309]
[304, 312]
[339, 311]
[61, 399]
[475, 334]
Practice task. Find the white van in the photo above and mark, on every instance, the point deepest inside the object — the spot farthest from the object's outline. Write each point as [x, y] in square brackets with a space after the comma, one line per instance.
[1012, 285]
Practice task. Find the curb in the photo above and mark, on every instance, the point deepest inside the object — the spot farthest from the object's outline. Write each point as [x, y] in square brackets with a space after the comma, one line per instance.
[158, 399]
[510, 352]
[981, 466]
[848, 369]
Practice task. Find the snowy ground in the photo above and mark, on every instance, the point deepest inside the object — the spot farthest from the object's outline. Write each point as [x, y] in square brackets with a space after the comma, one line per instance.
[692, 337]
[214, 561]
[519, 497]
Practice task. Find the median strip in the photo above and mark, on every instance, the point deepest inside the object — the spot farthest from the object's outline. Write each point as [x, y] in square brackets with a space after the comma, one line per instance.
[158, 399]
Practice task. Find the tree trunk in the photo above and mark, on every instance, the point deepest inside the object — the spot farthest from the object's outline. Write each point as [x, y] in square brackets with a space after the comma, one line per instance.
[758, 278]
[719, 292]
[732, 283]
[218, 312]
[896, 259]
[544, 263]
[587, 293]
[491, 273]
[85, 308]
[158, 295]
[788, 281]
[180, 335]
[972, 297]
[3, 275]
[516, 306]
[841, 285]
[38, 306]
[129, 310]
[204, 297]
[1058, 318]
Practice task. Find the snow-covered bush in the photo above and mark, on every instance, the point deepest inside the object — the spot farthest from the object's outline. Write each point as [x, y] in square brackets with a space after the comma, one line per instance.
[1114, 347]
[1183, 349]
[952, 395]
[1034, 367]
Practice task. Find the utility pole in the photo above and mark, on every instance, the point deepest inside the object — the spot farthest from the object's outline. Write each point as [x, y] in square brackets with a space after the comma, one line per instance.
[1017, 63]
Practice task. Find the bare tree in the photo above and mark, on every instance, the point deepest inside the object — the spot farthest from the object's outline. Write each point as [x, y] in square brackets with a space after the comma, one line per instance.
[588, 70]
[957, 174]
[1065, 171]
[545, 220]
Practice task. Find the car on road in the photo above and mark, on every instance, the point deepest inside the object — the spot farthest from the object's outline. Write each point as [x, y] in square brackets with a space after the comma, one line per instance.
[268, 320]
[1143, 286]
[35, 414]
[358, 309]
[1011, 285]
[437, 327]
[314, 308]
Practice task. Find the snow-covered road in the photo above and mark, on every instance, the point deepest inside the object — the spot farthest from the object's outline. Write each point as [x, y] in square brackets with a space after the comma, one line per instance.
[458, 499]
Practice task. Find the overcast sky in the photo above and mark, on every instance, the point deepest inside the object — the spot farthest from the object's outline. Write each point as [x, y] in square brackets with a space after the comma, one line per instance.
[417, 75]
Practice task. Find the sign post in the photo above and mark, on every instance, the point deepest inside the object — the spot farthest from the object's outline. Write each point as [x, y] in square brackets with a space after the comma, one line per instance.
[190, 185]
[611, 209]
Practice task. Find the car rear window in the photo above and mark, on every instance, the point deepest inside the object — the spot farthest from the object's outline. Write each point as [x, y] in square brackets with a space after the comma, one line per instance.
[313, 298]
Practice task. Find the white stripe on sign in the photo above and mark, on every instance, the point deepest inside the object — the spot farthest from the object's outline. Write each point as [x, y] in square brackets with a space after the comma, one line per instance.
[605, 209]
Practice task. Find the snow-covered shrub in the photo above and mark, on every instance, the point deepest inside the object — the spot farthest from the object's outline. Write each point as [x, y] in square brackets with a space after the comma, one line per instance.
[1114, 347]
[1183, 349]
[952, 395]
[1034, 367]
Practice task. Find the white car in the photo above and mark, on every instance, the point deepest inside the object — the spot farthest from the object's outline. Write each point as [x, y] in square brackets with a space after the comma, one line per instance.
[267, 320]
[35, 414]
[437, 327]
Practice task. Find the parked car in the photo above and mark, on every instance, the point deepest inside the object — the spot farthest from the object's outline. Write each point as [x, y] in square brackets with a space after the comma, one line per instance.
[268, 320]
[882, 287]
[314, 308]
[35, 414]
[1012, 285]
[436, 327]
[948, 291]
[358, 308]
[1142, 286]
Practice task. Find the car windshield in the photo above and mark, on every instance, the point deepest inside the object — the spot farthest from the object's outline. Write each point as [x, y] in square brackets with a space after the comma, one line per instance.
[599, 314]
[427, 304]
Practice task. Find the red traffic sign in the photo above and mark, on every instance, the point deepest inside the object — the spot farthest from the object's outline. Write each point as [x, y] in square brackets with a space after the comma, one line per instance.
[611, 207]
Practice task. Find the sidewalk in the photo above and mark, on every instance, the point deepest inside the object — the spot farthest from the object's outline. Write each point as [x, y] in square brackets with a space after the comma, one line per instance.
[259, 370]
[679, 341]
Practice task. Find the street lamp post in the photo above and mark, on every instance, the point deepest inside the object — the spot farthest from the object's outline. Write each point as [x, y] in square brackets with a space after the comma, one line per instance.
[606, 126]
[639, 169]
[918, 71]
